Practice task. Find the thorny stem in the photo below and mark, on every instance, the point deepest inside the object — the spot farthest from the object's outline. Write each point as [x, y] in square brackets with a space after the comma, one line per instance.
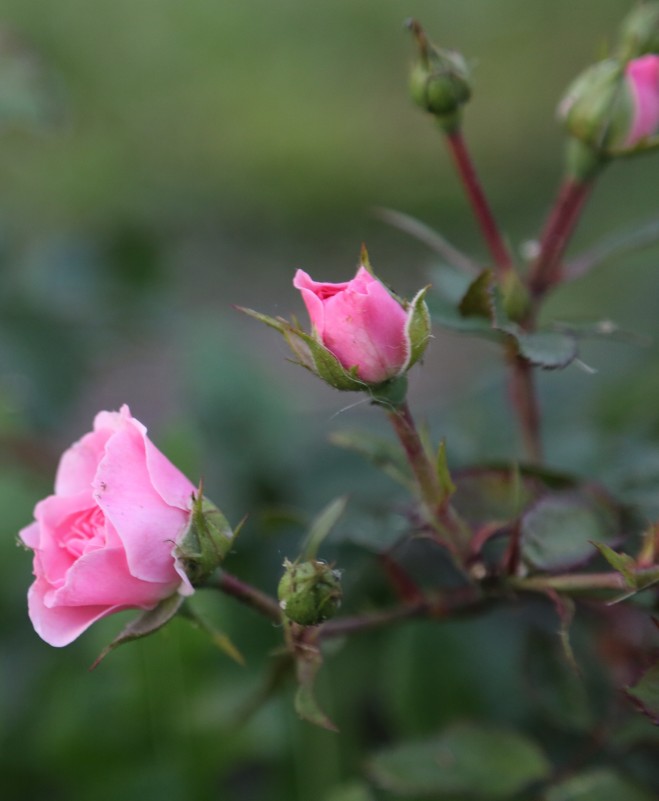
[585, 582]
[479, 203]
[465, 601]
[461, 603]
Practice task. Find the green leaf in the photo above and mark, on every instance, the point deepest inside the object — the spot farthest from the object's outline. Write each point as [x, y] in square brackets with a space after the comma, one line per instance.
[218, 638]
[558, 530]
[418, 326]
[354, 791]
[321, 526]
[621, 242]
[598, 785]
[308, 663]
[383, 453]
[494, 495]
[622, 562]
[430, 237]
[550, 350]
[144, 624]
[466, 760]
[477, 300]
[645, 693]
[446, 314]
[443, 473]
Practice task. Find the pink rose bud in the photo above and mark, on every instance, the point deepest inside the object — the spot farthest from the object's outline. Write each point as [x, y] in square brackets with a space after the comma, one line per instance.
[107, 539]
[642, 78]
[614, 107]
[360, 323]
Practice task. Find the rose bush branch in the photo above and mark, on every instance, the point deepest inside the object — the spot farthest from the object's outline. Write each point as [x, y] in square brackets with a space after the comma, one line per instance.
[246, 594]
[440, 85]
[611, 110]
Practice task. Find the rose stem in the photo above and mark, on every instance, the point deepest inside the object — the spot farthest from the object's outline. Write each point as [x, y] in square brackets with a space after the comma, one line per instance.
[246, 594]
[427, 478]
[560, 225]
[525, 403]
[585, 582]
[481, 208]
[521, 383]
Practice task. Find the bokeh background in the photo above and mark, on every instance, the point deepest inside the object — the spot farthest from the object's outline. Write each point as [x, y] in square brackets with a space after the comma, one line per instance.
[161, 162]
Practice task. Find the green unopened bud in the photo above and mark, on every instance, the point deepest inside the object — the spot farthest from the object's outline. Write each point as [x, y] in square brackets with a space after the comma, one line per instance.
[639, 32]
[309, 592]
[206, 542]
[590, 106]
[439, 81]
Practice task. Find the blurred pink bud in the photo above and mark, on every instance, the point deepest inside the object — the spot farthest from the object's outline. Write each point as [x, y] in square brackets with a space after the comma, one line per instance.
[107, 539]
[361, 323]
[642, 75]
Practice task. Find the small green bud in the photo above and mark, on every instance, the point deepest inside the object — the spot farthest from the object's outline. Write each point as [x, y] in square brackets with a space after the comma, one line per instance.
[309, 592]
[206, 542]
[439, 81]
[639, 32]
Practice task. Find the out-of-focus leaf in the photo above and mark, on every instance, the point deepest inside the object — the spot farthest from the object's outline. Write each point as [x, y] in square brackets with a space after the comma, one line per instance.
[355, 791]
[144, 624]
[645, 693]
[375, 534]
[598, 785]
[218, 638]
[384, 454]
[30, 96]
[424, 233]
[321, 526]
[465, 761]
[446, 314]
[493, 495]
[621, 242]
[557, 693]
[557, 532]
[550, 350]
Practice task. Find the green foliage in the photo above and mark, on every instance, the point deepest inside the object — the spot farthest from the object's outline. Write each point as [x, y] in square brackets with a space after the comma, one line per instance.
[188, 177]
[558, 531]
[600, 785]
[464, 761]
[646, 693]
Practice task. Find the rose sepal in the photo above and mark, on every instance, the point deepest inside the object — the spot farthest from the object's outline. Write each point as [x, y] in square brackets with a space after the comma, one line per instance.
[418, 326]
[144, 624]
[318, 359]
[207, 541]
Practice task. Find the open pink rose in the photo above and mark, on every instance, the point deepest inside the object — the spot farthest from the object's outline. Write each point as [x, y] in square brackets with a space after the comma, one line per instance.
[104, 541]
[642, 75]
[360, 323]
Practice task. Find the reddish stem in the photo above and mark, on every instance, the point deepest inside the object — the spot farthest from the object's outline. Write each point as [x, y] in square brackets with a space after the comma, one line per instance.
[525, 403]
[547, 270]
[479, 204]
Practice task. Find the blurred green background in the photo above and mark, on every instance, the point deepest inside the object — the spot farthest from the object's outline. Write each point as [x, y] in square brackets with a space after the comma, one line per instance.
[162, 161]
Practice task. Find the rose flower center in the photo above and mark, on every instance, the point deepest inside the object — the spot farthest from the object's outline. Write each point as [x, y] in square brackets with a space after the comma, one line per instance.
[85, 533]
